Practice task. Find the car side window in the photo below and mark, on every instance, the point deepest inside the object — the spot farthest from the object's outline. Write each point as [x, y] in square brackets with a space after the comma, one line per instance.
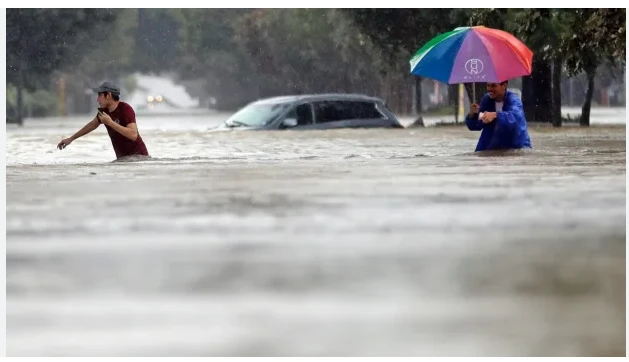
[367, 110]
[303, 114]
[331, 111]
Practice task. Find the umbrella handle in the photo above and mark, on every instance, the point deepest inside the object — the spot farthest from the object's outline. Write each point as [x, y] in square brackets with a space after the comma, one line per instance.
[473, 92]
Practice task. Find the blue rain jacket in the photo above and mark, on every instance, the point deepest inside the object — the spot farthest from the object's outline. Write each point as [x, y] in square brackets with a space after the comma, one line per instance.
[507, 131]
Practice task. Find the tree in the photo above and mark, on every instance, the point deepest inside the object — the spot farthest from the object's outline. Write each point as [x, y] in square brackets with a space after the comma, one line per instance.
[156, 37]
[535, 27]
[596, 36]
[248, 54]
[309, 50]
[39, 41]
[526, 25]
[110, 59]
[118, 53]
[208, 50]
[401, 32]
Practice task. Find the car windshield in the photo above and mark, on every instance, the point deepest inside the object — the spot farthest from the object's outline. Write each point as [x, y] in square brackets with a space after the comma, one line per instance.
[256, 115]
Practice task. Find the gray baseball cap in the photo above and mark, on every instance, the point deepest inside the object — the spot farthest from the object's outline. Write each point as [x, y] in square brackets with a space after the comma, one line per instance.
[107, 87]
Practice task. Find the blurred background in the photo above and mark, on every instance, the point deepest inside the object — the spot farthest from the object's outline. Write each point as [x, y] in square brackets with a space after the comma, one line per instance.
[174, 60]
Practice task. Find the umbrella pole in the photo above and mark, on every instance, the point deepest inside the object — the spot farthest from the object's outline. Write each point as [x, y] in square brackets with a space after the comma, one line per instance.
[473, 83]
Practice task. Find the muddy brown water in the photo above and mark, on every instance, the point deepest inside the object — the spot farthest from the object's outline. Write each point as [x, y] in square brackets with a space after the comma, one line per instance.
[327, 243]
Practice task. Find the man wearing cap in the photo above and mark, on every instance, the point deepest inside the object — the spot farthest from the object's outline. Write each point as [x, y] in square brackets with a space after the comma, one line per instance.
[501, 119]
[119, 119]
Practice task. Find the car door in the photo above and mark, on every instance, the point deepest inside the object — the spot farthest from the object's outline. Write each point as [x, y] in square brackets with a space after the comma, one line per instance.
[303, 115]
[349, 114]
[331, 114]
[367, 114]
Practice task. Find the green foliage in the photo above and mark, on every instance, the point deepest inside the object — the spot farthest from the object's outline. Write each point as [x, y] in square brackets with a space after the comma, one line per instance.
[405, 30]
[208, 50]
[597, 35]
[320, 45]
[585, 38]
[156, 37]
[39, 103]
[243, 54]
[116, 53]
[42, 103]
[40, 41]
[247, 54]
[491, 18]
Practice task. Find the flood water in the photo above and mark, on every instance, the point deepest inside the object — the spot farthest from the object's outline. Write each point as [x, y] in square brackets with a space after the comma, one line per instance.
[398, 242]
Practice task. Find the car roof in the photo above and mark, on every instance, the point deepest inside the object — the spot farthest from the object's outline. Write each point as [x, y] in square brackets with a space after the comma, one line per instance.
[318, 97]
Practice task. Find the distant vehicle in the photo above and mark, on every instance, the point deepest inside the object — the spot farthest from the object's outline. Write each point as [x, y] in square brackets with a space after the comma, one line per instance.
[316, 111]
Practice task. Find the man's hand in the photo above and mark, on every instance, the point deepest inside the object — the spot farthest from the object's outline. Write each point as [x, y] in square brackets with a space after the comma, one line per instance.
[488, 117]
[64, 143]
[105, 119]
[473, 109]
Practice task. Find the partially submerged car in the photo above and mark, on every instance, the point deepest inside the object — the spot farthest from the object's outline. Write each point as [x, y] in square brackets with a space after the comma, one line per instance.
[319, 111]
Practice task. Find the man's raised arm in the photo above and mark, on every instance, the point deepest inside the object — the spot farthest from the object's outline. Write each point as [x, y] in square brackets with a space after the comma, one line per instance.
[89, 127]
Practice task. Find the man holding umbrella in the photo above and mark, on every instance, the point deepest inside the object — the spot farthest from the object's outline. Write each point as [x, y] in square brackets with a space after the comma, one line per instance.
[500, 117]
[472, 54]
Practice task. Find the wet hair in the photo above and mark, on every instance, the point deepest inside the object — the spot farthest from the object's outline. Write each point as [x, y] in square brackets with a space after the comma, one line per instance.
[115, 97]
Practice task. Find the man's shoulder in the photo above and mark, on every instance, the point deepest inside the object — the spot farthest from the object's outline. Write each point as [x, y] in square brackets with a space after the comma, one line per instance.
[126, 108]
[512, 97]
[125, 105]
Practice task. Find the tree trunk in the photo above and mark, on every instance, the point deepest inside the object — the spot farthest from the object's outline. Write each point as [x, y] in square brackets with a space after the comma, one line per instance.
[556, 89]
[20, 103]
[453, 99]
[418, 95]
[542, 81]
[585, 110]
[528, 98]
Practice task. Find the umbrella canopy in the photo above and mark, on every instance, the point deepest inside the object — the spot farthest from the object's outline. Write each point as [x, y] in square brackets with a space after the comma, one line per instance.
[473, 54]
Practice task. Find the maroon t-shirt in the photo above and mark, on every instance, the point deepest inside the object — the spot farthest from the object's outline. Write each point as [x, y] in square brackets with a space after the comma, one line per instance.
[123, 115]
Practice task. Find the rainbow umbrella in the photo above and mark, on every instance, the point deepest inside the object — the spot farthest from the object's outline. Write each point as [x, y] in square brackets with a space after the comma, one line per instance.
[473, 54]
